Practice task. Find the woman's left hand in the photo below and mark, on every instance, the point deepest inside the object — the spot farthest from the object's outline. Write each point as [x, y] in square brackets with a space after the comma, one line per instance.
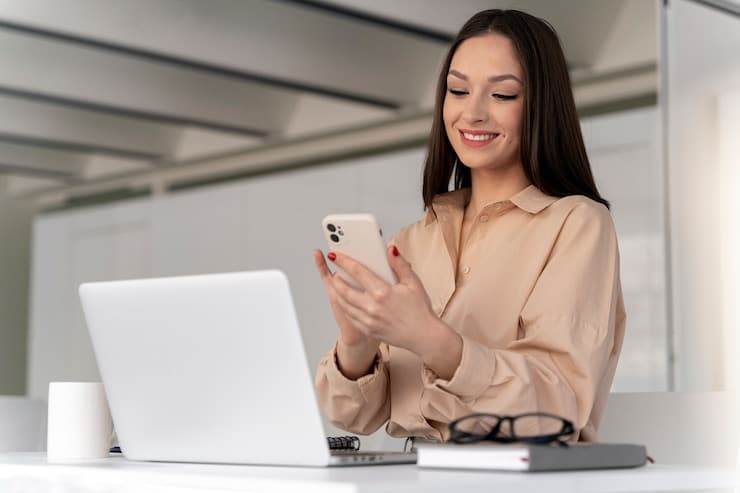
[396, 314]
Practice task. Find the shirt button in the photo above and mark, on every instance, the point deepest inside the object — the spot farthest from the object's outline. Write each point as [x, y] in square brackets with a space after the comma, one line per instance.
[484, 218]
[466, 269]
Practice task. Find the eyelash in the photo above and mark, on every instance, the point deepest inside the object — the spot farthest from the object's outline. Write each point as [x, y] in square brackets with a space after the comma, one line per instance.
[501, 97]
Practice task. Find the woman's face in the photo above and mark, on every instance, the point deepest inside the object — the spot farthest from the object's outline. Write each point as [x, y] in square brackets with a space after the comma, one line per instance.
[484, 103]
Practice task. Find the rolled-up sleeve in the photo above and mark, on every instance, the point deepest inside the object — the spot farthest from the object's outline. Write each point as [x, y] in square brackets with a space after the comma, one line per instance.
[567, 344]
[359, 406]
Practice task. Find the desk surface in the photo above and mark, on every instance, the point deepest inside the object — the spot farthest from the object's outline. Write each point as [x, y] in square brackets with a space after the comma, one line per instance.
[31, 472]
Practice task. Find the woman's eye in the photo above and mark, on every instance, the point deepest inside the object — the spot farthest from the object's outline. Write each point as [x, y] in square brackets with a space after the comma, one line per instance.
[504, 97]
[457, 92]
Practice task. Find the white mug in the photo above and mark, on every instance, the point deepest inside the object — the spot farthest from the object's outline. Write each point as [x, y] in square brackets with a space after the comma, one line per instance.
[80, 425]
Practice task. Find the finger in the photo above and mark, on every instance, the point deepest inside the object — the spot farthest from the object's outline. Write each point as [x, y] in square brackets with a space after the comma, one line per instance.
[322, 267]
[349, 294]
[357, 317]
[399, 264]
[358, 272]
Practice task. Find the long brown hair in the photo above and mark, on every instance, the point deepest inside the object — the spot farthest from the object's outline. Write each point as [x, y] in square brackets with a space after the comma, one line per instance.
[552, 150]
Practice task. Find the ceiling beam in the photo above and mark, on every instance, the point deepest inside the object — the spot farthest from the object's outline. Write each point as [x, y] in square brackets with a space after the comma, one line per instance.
[20, 158]
[78, 130]
[86, 78]
[603, 88]
[200, 66]
[13, 169]
[384, 22]
[282, 44]
[275, 156]
[81, 147]
[725, 6]
[154, 117]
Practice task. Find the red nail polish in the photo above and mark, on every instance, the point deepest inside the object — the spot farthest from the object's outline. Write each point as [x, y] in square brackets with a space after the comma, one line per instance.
[331, 256]
[395, 251]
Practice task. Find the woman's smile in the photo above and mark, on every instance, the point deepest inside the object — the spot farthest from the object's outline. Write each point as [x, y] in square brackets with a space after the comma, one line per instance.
[477, 138]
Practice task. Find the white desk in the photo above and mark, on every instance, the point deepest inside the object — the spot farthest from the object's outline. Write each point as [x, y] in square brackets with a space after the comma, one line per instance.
[31, 472]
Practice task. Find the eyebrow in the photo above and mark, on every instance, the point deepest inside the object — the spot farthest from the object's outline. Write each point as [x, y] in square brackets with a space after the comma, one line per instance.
[493, 78]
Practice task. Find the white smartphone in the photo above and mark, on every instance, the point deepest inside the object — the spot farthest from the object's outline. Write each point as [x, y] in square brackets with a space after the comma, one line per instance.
[360, 237]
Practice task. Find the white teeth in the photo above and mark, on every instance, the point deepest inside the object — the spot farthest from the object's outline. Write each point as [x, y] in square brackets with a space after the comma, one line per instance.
[479, 137]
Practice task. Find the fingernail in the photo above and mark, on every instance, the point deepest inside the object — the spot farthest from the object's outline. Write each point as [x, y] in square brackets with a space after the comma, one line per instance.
[331, 256]
[395, 251]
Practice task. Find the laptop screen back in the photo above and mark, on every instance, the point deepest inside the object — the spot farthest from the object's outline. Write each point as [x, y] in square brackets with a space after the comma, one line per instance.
[206, 368]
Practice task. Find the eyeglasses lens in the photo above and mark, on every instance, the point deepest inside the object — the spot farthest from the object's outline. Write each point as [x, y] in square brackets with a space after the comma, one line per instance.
[527, 426]
[477, 425]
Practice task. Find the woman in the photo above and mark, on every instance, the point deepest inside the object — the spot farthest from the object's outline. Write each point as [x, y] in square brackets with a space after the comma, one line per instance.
[509, 299]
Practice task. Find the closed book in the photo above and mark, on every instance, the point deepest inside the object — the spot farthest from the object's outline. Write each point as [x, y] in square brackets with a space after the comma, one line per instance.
[527, 457]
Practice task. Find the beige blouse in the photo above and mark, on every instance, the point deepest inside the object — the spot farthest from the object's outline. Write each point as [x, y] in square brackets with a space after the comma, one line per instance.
[535, 296]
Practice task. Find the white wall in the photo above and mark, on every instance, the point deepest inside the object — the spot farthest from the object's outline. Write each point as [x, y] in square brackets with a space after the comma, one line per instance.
[703, 60]
[624, 149]
[728, 159]
[15, 245]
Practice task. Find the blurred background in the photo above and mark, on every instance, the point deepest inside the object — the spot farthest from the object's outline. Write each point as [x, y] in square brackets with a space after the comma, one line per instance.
[166, 137]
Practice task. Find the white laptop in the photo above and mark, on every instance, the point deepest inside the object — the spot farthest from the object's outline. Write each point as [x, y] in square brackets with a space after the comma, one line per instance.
[210, 368]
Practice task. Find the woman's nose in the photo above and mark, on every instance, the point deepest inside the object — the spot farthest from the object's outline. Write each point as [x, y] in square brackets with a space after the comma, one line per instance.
[475, 111]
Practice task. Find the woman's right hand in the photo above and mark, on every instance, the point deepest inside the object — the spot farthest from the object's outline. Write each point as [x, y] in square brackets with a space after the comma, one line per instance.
[355, 351]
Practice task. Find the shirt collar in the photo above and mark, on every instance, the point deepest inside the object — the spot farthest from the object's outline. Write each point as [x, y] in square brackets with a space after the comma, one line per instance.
[531, 200]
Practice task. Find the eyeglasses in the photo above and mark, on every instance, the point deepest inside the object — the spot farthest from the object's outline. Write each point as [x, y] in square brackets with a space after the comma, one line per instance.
[538, 428]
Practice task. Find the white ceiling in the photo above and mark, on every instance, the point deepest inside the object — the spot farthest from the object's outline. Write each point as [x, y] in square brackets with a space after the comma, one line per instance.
[97, 92]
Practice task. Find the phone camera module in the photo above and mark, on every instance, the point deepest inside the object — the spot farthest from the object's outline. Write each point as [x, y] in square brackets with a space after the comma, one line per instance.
[331, 228]
[334, 238]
